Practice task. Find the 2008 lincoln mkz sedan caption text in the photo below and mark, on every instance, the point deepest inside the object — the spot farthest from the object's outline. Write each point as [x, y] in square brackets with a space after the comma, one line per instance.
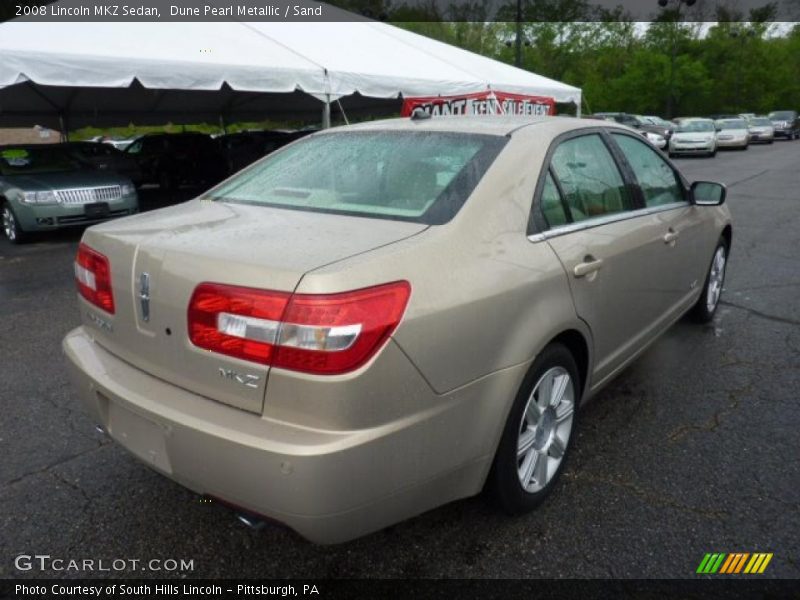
[381, 318]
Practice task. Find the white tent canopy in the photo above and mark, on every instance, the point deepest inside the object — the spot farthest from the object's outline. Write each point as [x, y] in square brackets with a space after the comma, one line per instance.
[115, 73]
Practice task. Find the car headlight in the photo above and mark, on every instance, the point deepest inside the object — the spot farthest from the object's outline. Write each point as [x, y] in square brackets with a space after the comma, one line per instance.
[46, 197]
[127, 189]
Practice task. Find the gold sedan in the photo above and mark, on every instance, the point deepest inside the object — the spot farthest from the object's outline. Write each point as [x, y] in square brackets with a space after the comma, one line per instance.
[379, 319]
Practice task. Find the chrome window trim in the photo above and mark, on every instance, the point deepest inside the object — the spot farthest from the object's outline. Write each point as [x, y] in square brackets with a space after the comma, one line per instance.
[604, 220]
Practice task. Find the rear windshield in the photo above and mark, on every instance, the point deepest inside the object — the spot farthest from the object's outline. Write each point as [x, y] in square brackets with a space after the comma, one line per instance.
[423, 177]
[39, 159]
[759, 122]
[732, 124]
[692, 126]
[782, 115]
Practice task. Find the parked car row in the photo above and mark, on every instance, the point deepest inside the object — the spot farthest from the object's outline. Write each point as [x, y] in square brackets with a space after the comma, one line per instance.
[174, 159]
[705, 135]
[45, 187]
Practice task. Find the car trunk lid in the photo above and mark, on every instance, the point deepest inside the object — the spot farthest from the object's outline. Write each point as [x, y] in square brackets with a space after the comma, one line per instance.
[158, 259]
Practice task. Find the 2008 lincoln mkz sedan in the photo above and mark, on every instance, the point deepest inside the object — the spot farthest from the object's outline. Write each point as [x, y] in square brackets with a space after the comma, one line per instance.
[381, 318]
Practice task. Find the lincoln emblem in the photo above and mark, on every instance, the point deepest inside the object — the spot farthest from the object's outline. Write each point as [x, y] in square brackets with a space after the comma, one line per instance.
[144, 295]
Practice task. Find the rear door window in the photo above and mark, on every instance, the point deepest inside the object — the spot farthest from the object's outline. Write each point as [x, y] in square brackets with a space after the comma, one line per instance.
[590, 179]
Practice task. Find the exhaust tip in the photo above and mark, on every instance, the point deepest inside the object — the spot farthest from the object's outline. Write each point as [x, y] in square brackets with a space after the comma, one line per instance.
[250, 521]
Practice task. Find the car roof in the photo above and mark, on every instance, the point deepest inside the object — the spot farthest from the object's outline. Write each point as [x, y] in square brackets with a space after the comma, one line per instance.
[501, 125]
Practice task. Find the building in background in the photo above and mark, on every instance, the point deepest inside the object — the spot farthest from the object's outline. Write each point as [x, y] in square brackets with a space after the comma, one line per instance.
[29, 135]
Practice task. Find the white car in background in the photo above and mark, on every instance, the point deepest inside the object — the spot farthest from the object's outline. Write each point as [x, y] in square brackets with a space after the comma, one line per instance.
[659, 141]
[694, 135]
[732, 133]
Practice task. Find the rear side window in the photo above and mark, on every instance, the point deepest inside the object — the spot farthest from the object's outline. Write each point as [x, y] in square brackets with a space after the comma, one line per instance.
[657, 180]
[589, 177]
[551, 204]
[420, 176]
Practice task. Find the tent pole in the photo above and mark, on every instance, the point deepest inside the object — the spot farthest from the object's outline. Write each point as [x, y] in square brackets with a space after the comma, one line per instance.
[62, 125]
[326, 112]
[578, 109]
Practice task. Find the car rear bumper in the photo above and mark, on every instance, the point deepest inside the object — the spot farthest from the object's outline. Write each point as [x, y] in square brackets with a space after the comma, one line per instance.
[328, 485]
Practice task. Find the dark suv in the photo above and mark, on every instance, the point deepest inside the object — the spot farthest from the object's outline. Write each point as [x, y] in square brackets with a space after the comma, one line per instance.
[172, 159]
[786, 123]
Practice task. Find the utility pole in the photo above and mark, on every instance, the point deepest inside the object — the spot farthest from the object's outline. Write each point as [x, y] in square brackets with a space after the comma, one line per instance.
[518, 38]
[742, 37]
[674, 50]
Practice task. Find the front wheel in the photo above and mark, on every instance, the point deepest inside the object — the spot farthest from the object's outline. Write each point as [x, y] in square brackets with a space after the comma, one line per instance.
[11, 227]
[537, 435]
[703, 311]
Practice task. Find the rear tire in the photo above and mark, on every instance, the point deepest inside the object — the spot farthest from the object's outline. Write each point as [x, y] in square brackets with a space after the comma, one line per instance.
[11, 227]
[537, 435]
[706, 306]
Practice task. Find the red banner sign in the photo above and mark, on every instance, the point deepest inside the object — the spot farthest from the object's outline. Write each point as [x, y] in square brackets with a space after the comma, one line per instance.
[482, 103]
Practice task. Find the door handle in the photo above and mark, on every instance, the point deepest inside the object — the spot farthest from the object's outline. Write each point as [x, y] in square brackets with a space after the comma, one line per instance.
[671, 236]
[590, 265]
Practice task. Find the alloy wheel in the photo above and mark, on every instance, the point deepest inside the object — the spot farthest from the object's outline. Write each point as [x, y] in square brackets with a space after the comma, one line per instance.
[716, 277]
[545, 429]
[9, 224]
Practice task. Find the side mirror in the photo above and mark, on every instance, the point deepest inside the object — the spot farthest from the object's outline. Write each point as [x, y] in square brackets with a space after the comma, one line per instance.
[708, 193]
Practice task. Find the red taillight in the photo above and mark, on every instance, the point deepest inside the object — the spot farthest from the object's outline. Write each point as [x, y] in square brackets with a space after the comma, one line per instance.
[313, 333]
[93, 277]
[213, 303]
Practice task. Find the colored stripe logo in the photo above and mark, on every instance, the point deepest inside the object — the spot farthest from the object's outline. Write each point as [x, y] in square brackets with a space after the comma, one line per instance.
[734, 563]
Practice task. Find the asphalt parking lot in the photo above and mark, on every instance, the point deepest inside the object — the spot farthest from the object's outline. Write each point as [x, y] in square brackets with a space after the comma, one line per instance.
[694, 449]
